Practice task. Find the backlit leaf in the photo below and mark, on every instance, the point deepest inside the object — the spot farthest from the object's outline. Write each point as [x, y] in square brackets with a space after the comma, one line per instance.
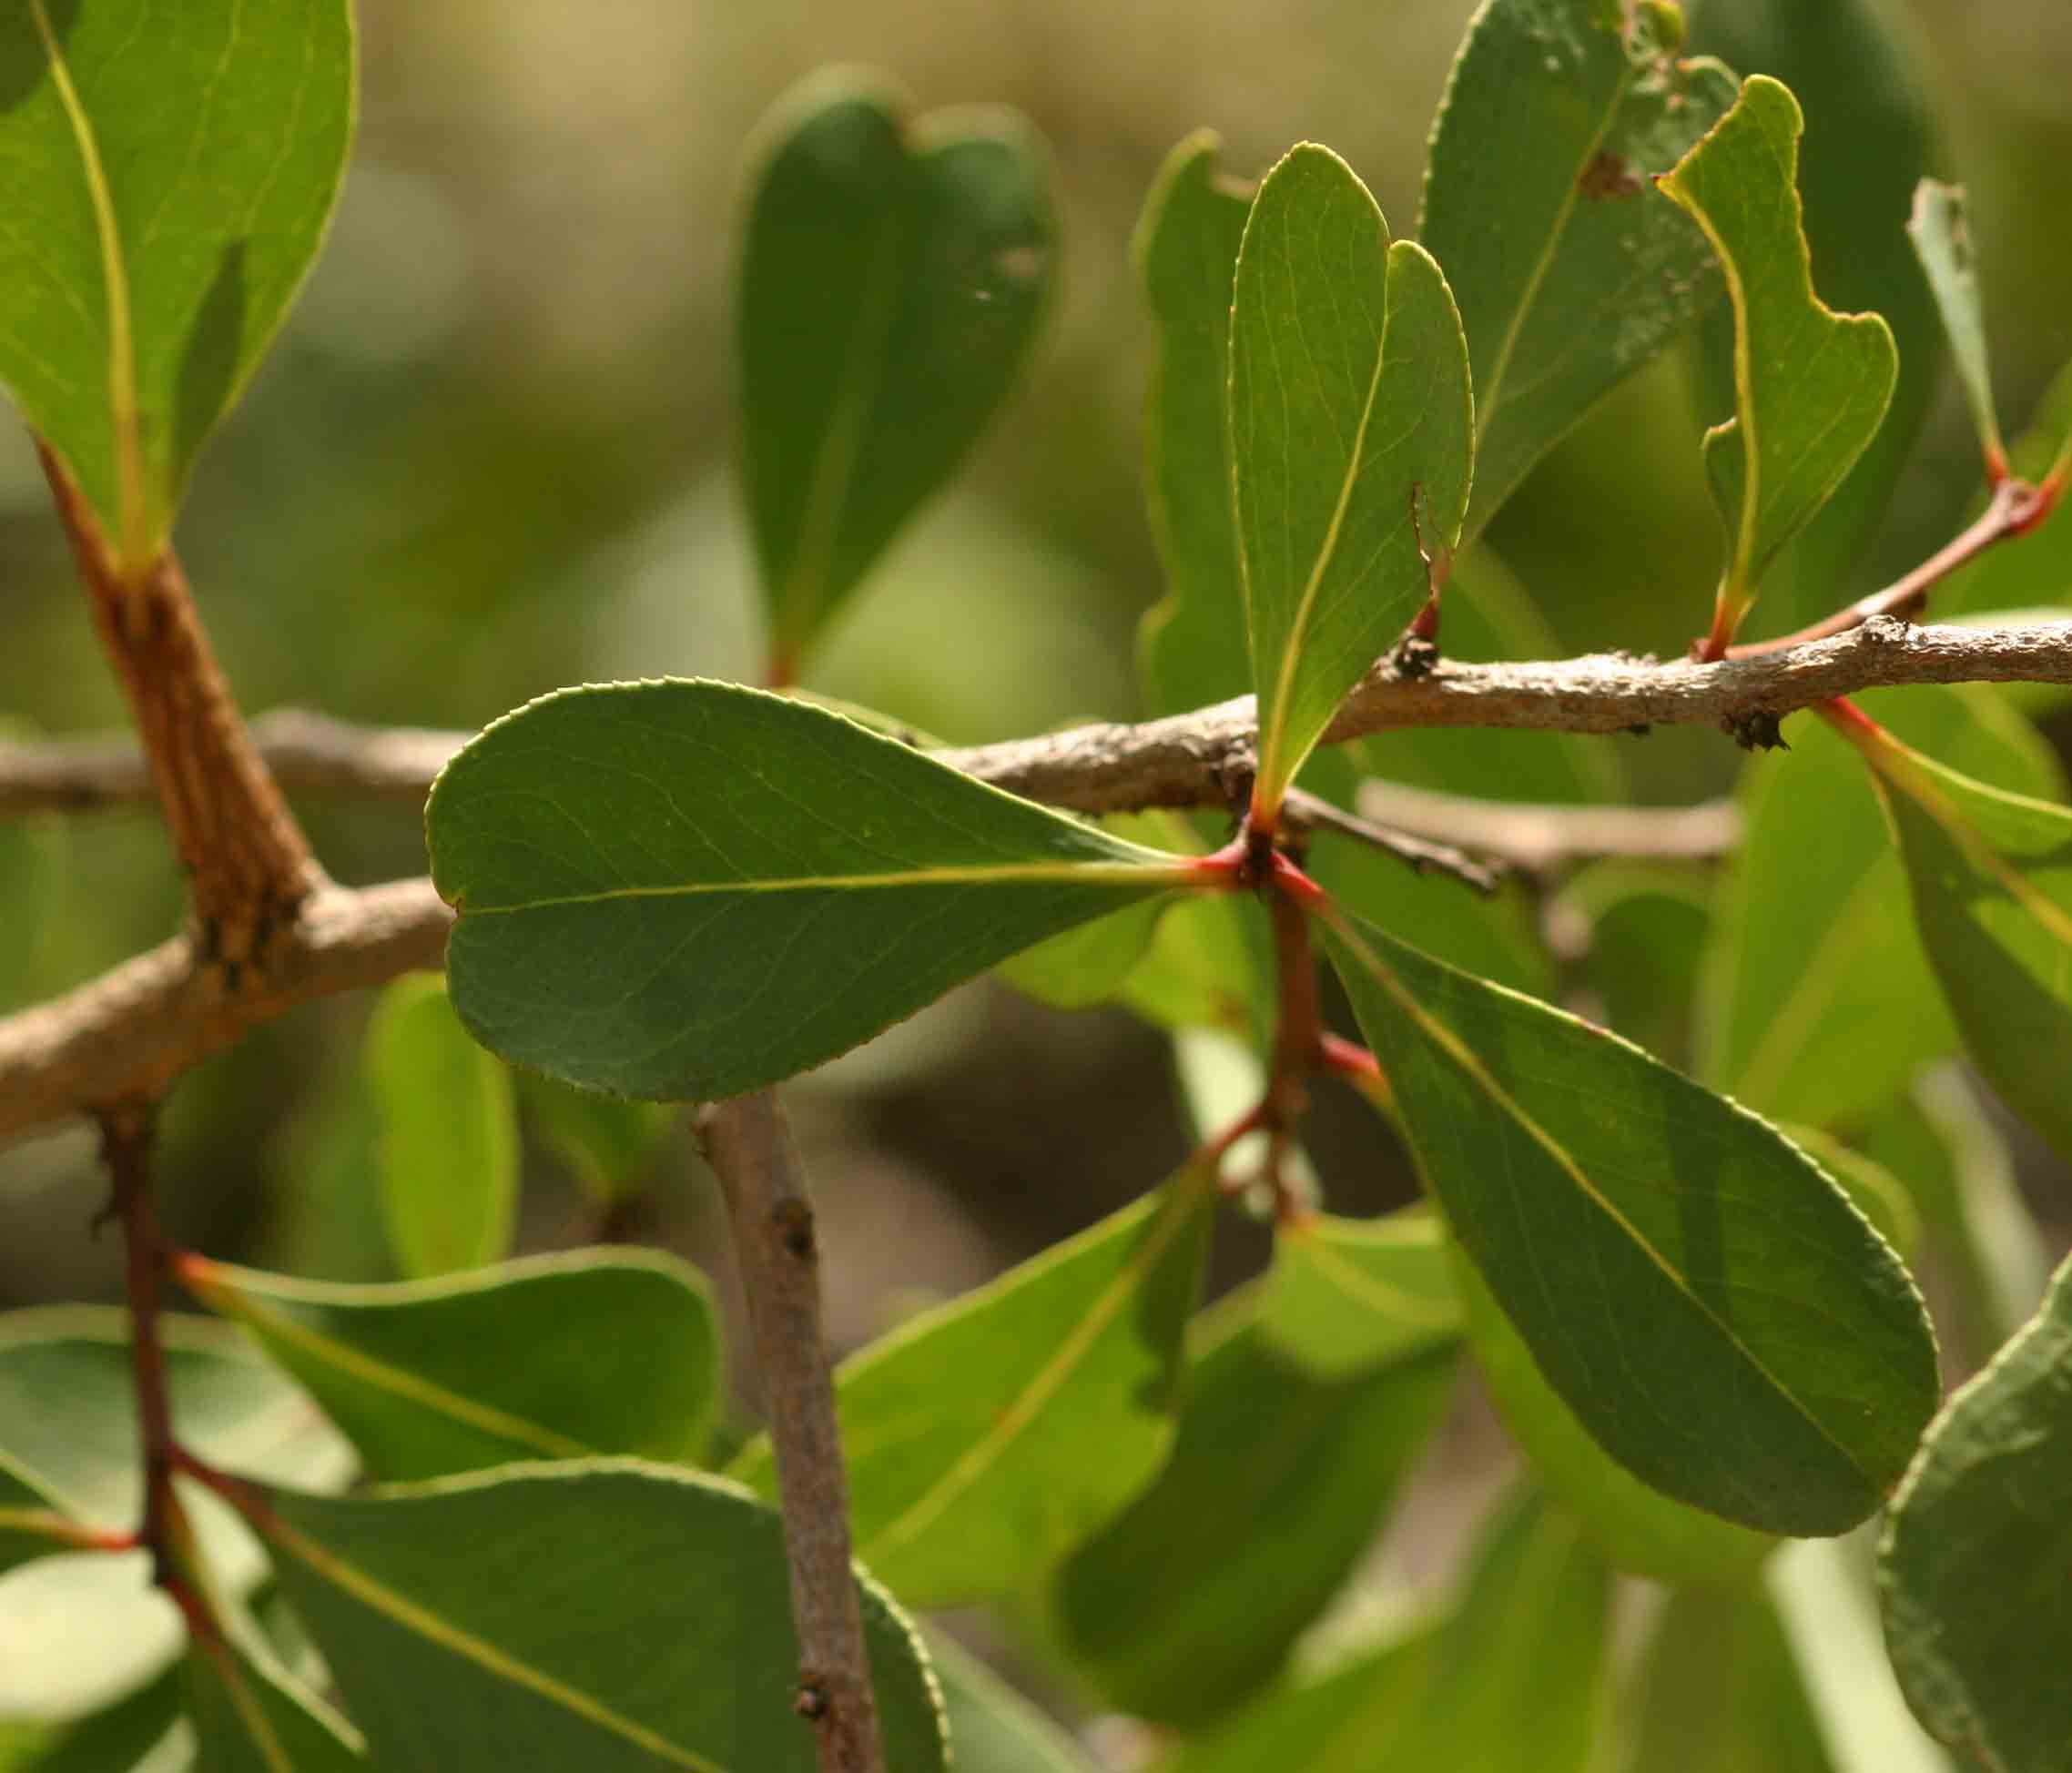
[684, 890]
[892, 275]
[449, 1132]
[1193, 641]
[33, 1522]
[1977, 1612]
[1940, 228]
[1351, 429]
[128, 1736]
[1654, 1243]
[1811, 385]
[170, 171]
[987, 1438]
[1308, 1401]
[651, 1628]
[551, 1357]
[992, 1729]
[608, 1143]
[1570, 268]
[1991, 877]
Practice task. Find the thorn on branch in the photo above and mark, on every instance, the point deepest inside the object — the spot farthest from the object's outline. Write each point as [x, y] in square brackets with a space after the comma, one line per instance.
[1756, 729]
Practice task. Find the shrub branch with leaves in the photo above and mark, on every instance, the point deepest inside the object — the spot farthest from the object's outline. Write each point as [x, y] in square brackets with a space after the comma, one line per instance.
[1696, 1316]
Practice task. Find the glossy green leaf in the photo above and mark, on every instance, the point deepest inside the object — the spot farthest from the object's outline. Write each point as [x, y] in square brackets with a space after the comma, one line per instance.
[967, 1430]
[1818, 1000]
[551, 1357]
[992, 1729]
[250, 1720]
[1637, 1528]
[449, 1138]
[1192, 644]
[1717, 1692]
[1342, 1722]
[1571, 270]
[1308, 1400]
[1990, 872]
[1203, 968]
[1089, 965]
[1940, 228]
[651, 1628]
[608, 1143]
[1647, 925]
[892, 275]
[1878, 1194]
[1351, 427]
[1869, 142]
[683, 890]
[127, 1735]
[1811, 385]
[1977, 1612]
[1654, 1243]
[172, 168]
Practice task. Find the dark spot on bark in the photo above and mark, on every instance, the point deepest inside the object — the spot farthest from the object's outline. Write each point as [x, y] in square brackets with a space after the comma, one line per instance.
[795, 1228]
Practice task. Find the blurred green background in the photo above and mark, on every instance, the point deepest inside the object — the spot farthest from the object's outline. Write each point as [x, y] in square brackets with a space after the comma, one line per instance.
[491, 455]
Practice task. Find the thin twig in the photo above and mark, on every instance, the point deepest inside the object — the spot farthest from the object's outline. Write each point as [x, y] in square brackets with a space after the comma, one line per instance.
[751, 1151]
[1198, 759]
[1540, 838]
[1421, 851]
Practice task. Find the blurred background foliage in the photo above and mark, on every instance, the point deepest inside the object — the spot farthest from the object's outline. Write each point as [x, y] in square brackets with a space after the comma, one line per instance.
[492, 455]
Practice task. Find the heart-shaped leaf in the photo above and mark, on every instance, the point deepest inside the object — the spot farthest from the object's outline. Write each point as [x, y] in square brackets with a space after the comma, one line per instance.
[1307, 1402]
[449, 1138]
[652, 1628]
[1977, 1612]
[1811, 385]
[1351, 436]
[892, 275]
[968, 1429]
[1940, 228]
[1990, 872]
[1571, 270]
[171, 170]
[1653, 1243]
[248, 1719]
[1192, 642]
[553, 1357]
[684, 890]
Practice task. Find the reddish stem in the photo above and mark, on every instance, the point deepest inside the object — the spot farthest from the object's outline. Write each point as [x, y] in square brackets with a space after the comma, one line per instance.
[1348, 1058]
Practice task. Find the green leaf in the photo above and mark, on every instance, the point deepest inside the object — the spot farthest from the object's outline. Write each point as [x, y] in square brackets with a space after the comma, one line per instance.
[967, 1430]
[1978, 1615]
[1811, 385]
[449, 1138]
[1206, 969]
[1571, 270]
[34, 1523]
[608, 1143]
[1869, 143]
[1878, 1194]
[1991, 877]
[2032, 581]
[1520, 1672]
[1342, 1722]
[1719, 1692]
[683, 890]
[1089, 965]
[1940, 229]
[992, 1729]
[173, 167]
[128, 1736]
[67, 1410]
[1637, 1528]
[1818, 1000]
[1192, 642]
[533, 1359]
[892, 275]
[651, 1628]
[1647, 926]
[1349, 405]
[250, 1720]
[1307, 1402]
[1653, 1242]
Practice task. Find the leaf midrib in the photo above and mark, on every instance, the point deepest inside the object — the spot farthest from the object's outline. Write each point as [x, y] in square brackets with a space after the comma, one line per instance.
[1471, 1067]
[115, 277]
